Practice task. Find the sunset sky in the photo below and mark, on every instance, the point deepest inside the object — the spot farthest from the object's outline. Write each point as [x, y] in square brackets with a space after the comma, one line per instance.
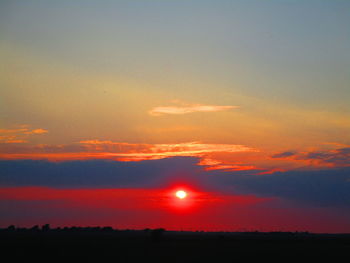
[107, 108]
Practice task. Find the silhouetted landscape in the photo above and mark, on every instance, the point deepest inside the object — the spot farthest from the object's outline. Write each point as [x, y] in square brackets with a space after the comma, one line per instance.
[106, 243]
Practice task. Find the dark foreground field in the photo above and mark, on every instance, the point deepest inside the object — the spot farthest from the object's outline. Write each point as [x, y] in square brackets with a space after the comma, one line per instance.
[108, 245]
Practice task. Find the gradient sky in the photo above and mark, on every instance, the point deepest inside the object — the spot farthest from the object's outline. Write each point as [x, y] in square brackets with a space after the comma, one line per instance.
[108, 107]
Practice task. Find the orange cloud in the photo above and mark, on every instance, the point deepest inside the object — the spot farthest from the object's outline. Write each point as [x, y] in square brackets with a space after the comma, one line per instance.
[211, 164]
[90, 149]
[212, 156]
[138, 152]
[15, 141]
[222, 157]
[36, 131]
[18, 135]
[188, 108]
[21, 130]
[10, 139]
[322, 156]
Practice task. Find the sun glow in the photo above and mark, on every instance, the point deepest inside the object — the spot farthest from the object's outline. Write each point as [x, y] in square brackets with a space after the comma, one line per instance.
[181, 194]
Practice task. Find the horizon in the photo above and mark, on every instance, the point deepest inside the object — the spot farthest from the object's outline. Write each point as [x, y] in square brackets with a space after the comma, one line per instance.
[48, 227]
[212, 114]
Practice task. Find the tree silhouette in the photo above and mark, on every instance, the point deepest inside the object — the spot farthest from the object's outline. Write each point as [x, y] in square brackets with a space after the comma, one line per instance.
[157, 234]
[46, 227]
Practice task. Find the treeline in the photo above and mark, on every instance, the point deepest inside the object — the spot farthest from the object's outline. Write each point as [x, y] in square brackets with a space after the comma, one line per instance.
[76, 231]
[47, 228]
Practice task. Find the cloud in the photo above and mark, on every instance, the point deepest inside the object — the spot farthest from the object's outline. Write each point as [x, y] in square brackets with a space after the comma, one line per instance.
[97, 173]
[7, 131]
[121, 198]
[323, 188]
[320, 158]
[11, 139]
[211, 164]
[23, 130]
[132, 208]
[283, 155]
[337, 157]
[18, 135]
[213, 156]
[188, 108]
[36, 131]
[96, 149]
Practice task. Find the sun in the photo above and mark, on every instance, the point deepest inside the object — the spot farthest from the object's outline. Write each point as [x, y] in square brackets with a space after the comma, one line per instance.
[181, 194]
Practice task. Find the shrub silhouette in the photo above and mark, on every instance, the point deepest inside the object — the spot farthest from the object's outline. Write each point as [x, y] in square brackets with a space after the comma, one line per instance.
[35, 228]
[157, 234]
[46, 227]
[11, 228]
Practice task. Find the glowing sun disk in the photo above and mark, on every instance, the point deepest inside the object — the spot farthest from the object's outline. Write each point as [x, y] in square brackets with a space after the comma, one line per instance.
[181, 194]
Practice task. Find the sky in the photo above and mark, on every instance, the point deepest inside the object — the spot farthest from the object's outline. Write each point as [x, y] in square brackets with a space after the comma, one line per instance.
[107, 108]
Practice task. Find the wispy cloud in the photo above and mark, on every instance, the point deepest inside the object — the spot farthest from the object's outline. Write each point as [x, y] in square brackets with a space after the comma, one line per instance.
[339, 157]
[11, 139]
[18, 135]
[97, 149]
[36, 131]
[138, 152]
[184, 108]
[211, 164]
[283, 154]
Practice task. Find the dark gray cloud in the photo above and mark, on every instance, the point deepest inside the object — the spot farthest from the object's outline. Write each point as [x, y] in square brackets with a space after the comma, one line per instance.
[283, 154]
[338, 157]
[329, 187]
[96, 173]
